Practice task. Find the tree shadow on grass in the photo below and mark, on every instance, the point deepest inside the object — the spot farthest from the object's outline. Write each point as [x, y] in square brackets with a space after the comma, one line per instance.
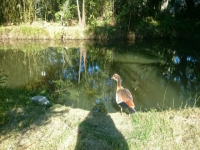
[98, 132]
[34, 128]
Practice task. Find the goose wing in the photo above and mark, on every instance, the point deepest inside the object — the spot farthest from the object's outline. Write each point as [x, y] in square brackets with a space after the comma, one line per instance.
[124, 95]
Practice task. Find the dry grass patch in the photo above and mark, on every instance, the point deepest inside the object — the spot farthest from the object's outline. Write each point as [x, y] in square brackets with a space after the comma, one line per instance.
[67, 128]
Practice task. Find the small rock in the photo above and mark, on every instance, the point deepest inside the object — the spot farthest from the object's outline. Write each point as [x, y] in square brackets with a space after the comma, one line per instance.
[40, 100]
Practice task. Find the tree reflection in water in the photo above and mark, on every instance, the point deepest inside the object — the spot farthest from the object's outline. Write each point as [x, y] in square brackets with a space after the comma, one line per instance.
[159, 74]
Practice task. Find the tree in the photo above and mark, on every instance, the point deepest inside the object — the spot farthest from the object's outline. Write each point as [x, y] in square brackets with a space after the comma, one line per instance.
[81, 20]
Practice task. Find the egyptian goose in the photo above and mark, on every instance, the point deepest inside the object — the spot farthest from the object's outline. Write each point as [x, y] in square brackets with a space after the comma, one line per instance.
[123, 96]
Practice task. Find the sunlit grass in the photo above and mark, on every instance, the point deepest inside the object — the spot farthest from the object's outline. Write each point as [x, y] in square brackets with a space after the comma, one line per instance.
[166, 130]
[61, 127]
[27, 125]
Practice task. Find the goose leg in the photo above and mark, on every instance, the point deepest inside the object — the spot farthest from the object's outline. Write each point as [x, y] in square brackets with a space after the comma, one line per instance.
[121, 110]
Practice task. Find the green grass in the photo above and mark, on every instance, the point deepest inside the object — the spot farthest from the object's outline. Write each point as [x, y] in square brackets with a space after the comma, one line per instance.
[15, 106]
[61, 127]
[171, 129]
[55, 31]
[29, 32]
[149, 27]
[27, 125]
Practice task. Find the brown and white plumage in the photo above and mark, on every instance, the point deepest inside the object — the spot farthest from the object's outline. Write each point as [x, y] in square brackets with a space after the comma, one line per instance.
[123, 96]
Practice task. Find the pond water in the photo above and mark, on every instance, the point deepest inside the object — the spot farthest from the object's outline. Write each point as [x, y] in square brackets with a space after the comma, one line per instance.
[159, 74]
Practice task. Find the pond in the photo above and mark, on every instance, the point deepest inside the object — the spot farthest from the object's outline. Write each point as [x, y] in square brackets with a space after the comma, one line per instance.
[160, 74]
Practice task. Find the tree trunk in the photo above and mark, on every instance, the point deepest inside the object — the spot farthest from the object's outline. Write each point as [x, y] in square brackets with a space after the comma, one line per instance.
[83, 14]
[79, 14]
[24, 14]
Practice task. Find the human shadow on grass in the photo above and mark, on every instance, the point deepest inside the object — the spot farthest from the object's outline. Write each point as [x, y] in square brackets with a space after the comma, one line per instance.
[98, 132]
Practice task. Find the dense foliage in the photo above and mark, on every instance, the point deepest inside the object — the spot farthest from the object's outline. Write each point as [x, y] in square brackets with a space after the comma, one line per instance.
[146, 18]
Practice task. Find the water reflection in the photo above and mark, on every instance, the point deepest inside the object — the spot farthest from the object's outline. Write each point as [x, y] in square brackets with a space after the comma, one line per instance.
[159, 75]
[83, 53]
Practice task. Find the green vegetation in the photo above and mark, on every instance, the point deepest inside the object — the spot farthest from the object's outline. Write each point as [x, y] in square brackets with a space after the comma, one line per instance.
[16, 104]
[27, 125]
[28, 80]
[62, 127]
[102, 19]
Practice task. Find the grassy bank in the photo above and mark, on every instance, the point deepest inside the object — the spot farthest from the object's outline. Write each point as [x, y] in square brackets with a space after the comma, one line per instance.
[39, 31]
[61, 127]
[55, 31]
[168, 28]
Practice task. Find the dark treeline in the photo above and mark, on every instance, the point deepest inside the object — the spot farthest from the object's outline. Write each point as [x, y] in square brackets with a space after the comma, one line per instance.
[148, 18]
